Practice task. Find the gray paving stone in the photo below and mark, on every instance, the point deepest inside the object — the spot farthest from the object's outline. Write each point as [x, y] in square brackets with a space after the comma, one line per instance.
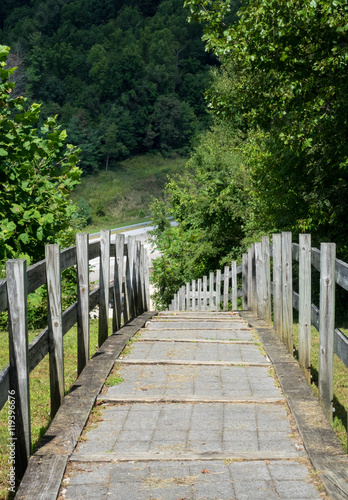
[192, 428]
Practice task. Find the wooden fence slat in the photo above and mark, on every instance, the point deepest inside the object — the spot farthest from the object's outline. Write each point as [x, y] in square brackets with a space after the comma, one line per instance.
[199, 294]
[147, 282]
[55, 326]
[287, 290]
[226, 284]
[104, 278]
[267, 277]
[305, 310]
[118, 281]
[129, 290]
[19, 369]
[143, 307]
[245, 281]
[82, 301]
[327, 326]
[211, 291]
[253, 278]
[234, 286]
[188, 303]
[137, 280]
[260, 280]
[205, 294]
[193, 295]
[250, 278]
[277, 284]
[218, 290]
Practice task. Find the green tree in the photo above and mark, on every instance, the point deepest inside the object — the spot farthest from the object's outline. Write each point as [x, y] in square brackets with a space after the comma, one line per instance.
[37, 172]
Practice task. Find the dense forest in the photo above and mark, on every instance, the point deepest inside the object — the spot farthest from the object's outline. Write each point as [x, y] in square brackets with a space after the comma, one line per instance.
[276, 157]
[124, 77]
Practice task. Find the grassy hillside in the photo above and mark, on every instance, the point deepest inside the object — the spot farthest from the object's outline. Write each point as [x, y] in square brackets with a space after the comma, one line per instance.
[122, 195]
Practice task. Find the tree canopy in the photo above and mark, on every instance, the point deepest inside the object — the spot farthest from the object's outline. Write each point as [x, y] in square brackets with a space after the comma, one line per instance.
[37, 172]
[111, 67]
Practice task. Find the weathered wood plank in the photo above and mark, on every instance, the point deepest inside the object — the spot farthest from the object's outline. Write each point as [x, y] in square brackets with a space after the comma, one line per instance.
[189, 363]
[327, 326]
[55, 326]
[218, 289]
[253, 278]
[211, 291]
[245, 281]
[193, 295]
[190, 399]
[305, 310]
[260, 280]
[250, 279]
[82, 301]
[187, 456]
[187, 297]
[226, 286]
[205, 294]
[118, 280]
[277, 284]
[287, 290]
[19, 366]
[265, 248]
[234, 285]
[199, 294]
[104, 278]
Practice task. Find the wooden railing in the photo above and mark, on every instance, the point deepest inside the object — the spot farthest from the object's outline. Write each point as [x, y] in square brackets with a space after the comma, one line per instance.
[129, 289]
[267, 291]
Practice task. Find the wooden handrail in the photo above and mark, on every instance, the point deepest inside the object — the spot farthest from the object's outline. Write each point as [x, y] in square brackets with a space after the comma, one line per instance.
[129, 287]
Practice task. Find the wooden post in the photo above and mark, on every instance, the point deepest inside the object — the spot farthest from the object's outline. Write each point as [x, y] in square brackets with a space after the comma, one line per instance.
[199, 294]
[19, 398]
[143, 307]
[250, 278]
[205, 294]
[327, 326]
[245, 281]
[82, 301]
[218, 289]
[267, 277]
[181, 295]
[193, 295]
[253, 278]
[147, 282]
[234, 286]
[287, 290]
[104, 278]
[226, 283]
[260, 281]
[188, 304]
[304, 340]
[130, 276]
[277, 284]
[137, 280]
[118, 281]
[211, 291]
[55, 326]
[176, 302]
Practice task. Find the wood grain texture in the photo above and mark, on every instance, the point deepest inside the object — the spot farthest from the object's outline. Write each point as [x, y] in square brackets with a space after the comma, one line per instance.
[104, 278]
[55, 326]
[234, 285]
[277, 284]
[327, 326]
[82, 301]
[287, 327]
[19, 364]
[305, 310]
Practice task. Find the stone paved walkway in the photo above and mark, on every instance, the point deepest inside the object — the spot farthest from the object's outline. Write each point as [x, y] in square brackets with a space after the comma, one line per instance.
[196, 414]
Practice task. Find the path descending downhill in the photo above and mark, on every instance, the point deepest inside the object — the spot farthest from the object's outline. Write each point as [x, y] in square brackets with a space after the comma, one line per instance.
[197, 414]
